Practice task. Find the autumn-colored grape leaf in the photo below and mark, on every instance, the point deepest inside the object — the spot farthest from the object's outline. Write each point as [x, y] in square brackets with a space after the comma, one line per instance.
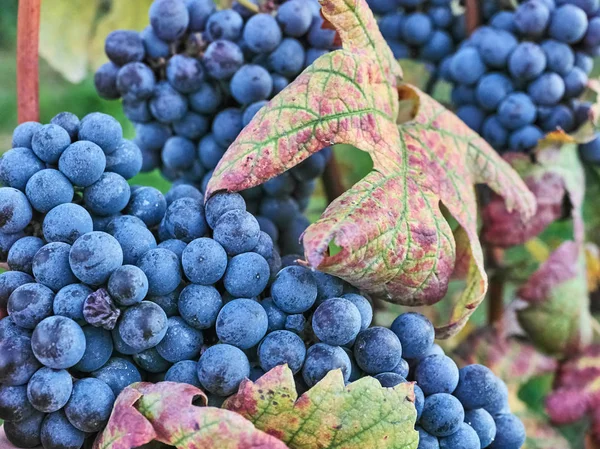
[330, 415]
[395, 242]
[557, 318]
[540, 433]
[557, 175]
[164, 412]
[577, 391]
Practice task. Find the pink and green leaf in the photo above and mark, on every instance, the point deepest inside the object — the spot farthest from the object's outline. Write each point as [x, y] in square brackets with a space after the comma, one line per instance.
[330, 415]
[395, 241]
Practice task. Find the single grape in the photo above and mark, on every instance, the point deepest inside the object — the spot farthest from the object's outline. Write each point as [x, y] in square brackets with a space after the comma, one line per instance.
[247, 275]
[181, 342]
[167, 104]
[442, 415]
[94, 256]
[568, 24]
[222, 368]
[321, 359]
[118, 373]
[163, 270]
[510, 432]
[483, 424]
[17, 361]
[10, 281]
[294, 290]
[49, 390]
[377, 350]
[436, 374]
[222, 59]
[262, 33]
[58, 342]
[288, 58]
[282, 347]
[17, 166]
[294, 17]
[477, 386]
[242, 323]
[58, 433]
[14, 405]
[66, 223]
[151, 361]
[23, 134]
[49, 142]
[336, 321]
[25, 433]
[29, 304]
[143, 326]
[185, 372]
[90, 404]
[169, 19]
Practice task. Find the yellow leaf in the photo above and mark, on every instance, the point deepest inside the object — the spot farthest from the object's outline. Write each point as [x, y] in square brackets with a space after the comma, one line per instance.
[538, 249]
[65, 31]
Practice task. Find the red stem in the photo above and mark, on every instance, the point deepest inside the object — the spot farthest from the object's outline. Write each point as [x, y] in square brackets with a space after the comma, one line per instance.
[28, 37]
[473, 15]
[332, 180]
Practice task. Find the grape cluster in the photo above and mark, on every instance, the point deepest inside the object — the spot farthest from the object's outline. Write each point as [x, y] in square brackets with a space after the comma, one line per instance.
[520, 76]
[196, 76]
[427, 30]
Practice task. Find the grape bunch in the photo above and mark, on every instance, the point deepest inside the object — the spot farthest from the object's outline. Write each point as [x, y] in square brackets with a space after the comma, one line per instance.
[520, 76]
[196, 76]
[427, 30]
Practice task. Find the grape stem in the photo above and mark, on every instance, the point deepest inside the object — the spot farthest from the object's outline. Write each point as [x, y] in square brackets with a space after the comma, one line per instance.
[249, 5]
[332, 179]
[4, 266]
[28, 37]
[473, 16]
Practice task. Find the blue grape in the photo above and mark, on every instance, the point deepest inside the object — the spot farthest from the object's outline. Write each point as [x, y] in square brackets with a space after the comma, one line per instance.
[464, 438]
[6, 242]
[49, 142]
[281, 185]
[192, 126]
[282, 347]
[11, 280]
[391, 26]
[222, 59]
[58, 342]
[49, 390]
[242, 323]
[126, 160]
[328, 286]
[439, 44]
[319, 37]
[143, 326]
[568, 24]
[269, 227]
[426, 440]
[148, 204]
[15, 210]
[575, 83]
[181, 342]
[256, 372]
[389, 380]
[472, 116]
[14, 405]
[163, 270]
[559, 56]
[58, 433]
[262, 33]
[199, 12]
[128, 285]
[135, 240]
[477, 386]
[492, 89]
[222, 368]
[251, 83]
[265, 246]
[436, 374]
[494, 132]
[559, 116]
[276, 317]
[377, 350]
[185, 73]
[25, 433]
[184, 220]
[183, 191]
[169, 19]
[294, 290]
[322, 358]
[94, 256]
[199, 305]
[29, 304]
[592, 36]
[510, 432]
[504, 20]
[295, 323]
[237, 231]
[402, 368]
[312, 54]
[178, 153]
[441, 16]
[532, 18]
[167, 105]
[221, 203]
[590, 151]
[355, 371]
[51, 266]
[294, 17]
[336, 321]
[69, 301]
[152, 136]
[151, 361]
[101, 129]
[47, 189]
[206, 100]
[527, 61]
[118, 373]
[107, 196]
[124, 46]
[590, 7]
[66, 223]
[583, 61]
[137, 111]
[154, 46]
[525, 138]
[204, 261]
[90, 404]
[226, 126]
[382, 6]
[288, 58]
[279, 210]
[442, 415]
[210, 152]
[17, 166]
[17, 360]
[483, 424]
[516, 111]
[116, 222]
[226, 24]
[98, 349]
[8, 329]
[417, 28]
[280, 82]
[23, 134]
[136, 81]
[467, 66]
[105, 81]
[547, 90]
[415, 332]
[185, 372]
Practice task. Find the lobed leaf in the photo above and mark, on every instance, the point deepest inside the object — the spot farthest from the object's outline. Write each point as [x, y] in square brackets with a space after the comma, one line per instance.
[577, 390]
[558, 318]
[395, 241]
[331, 414]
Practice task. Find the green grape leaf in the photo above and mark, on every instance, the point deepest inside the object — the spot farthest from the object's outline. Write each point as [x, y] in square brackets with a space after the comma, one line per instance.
[65, 31]
[557, 317]
[165, 412]
[395, 241]
[577, 391]
[330, 415]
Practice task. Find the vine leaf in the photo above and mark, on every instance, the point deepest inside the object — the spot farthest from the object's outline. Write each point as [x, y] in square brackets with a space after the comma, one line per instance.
[395, 241]
[330, 415]
[165, 412]
[577, 391]
[557, 317]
